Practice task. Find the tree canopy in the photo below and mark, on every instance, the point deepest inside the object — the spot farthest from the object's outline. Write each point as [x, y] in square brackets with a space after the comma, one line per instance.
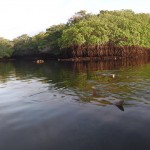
[122, 28]
[6, 49]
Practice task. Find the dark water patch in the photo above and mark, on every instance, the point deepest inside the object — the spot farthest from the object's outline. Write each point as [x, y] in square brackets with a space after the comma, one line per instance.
[52, 106]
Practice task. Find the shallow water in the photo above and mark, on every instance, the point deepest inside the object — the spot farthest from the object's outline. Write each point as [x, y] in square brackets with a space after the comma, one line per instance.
[51, 106]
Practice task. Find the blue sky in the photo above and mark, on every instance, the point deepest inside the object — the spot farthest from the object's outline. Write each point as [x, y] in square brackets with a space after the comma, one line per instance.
[32, 16]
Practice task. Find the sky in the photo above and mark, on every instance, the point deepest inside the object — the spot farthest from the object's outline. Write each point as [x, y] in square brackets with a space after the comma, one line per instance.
[30, 17]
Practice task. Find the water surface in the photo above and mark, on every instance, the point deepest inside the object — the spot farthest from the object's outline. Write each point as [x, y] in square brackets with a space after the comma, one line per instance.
[50, 106]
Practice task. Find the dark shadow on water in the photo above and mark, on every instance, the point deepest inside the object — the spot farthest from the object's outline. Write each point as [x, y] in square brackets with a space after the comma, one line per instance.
[120, 107]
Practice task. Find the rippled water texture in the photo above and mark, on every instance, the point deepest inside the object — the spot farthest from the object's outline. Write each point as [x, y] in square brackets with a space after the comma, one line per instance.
[73, 106]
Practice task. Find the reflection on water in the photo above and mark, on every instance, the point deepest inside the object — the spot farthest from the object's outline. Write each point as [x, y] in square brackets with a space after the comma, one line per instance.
[77, 106]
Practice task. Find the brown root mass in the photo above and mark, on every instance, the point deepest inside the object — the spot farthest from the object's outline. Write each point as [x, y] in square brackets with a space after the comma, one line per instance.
[103, 52]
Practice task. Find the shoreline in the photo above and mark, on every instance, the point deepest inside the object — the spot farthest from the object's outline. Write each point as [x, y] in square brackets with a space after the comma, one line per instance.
[85, 54]
[7, 59]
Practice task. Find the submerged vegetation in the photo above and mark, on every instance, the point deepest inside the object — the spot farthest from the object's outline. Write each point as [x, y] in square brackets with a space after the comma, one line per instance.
[110, 33]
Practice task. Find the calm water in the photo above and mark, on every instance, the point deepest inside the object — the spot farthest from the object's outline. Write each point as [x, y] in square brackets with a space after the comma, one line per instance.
[51, 106]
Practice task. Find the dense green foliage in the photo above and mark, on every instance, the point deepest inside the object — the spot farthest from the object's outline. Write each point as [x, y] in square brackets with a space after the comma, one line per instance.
[120, 28]
[5, 48]
[53, 36]
[24, 45]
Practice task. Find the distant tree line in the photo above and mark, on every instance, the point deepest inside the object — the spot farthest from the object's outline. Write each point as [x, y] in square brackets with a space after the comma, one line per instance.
[119, 28]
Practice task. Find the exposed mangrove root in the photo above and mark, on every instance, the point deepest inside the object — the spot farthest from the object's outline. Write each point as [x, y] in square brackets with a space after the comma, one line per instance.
[103, 52]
